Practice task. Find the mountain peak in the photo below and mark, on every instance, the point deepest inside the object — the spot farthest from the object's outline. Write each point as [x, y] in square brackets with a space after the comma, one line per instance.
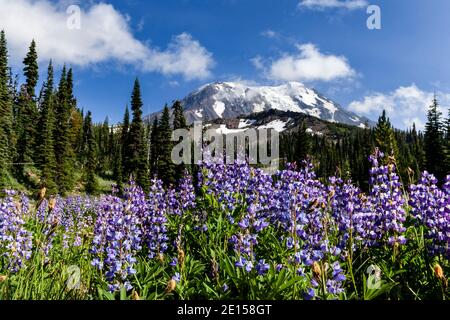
[233, 99]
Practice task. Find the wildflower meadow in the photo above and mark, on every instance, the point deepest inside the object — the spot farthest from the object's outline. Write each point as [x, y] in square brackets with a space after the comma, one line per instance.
[233, 232]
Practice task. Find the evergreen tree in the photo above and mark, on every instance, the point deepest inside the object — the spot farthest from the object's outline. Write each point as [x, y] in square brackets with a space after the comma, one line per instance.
[45, 142]
[91, 181]
[384, 136]
[447, 144]
[179, 122]
[75, 134]
[26, 111]
[165, 166]
[104, 164]
[434, 142]
[138, 157]
[302, 144]
[417, 150]
[154, 146]
[447, 129]
[125, 142]
[6, 114]
[31, 70]
[117, 171]
[63, 145]
[69, 89]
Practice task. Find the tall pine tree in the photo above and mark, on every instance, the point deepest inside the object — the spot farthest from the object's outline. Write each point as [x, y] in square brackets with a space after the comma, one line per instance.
[434, 142]
[6, 114]
[63, 145]
[447, 143]
[165, 166]
[138, 158]
[384, 136]
[31, 70]
[45, 140]
[27, 111]
[154, 146]
[179, 122]
[91, 186]
[302, 144]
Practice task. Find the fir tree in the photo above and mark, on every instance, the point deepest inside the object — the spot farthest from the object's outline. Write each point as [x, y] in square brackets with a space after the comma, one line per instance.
[434, 142]
[417, 149]
[31, 70]
[384, 136]
[6, 114]
[63, 145]
[45, 142]
[91, 181]
[117, 171]
[179, 122]
[125, 142]
[447, 144]
[154, 146]
[104, 147]
[26, 111]
[302, 144]
[138, 156]
[165, 166]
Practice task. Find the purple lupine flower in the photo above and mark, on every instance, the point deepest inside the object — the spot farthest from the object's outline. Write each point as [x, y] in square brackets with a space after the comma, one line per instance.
[262, 267]
[15, 241]
[309, 294]
[177, 277]
[387, 202]
[174, 262]
[155, 221]
[117, 237]
[430, 207]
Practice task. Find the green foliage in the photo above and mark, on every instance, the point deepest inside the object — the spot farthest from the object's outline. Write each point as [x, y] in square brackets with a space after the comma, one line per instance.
[31, 70]
[91, 181]
[154, 155]
[6, 115]
[179, 122]
[165, 166]
[384, 136]
[44, 141]
[434, 142]
[302, 144]
[138, 165]
[207, 264]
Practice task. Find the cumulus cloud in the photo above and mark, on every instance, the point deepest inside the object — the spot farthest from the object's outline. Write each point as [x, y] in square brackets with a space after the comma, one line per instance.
[309, 64]
[329, 4]
[104, 35]
[184, 55]
[405, 105]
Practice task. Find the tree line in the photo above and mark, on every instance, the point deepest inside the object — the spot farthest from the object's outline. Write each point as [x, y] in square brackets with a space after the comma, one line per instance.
[46, 140]
[345, 153]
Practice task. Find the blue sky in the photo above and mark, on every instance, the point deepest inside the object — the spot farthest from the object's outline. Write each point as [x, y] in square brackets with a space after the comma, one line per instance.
[175, 46]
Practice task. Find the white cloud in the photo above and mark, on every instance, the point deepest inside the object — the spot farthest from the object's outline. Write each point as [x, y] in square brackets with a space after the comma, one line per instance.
[404, 106]
[183, 56]
[310, 65]
[257, 62]
[270, 34]
[104, 36]
[329, 4]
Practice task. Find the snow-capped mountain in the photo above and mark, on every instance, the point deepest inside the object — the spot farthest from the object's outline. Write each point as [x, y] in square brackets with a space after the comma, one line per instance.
[226, 100]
